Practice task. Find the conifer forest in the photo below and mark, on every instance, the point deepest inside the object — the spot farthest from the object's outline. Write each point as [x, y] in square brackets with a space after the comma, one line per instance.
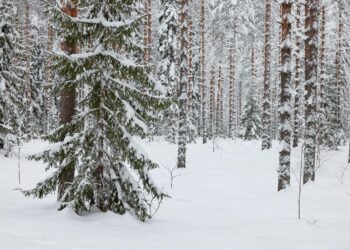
[174, 124]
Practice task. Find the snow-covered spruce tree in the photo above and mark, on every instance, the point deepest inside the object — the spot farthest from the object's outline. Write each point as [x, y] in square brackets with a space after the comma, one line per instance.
[266, 116]
[311, 54]
[334, 135]
[285, 108]
[167, 66]
[11, 88]
[36, 78]
[250, 121]
[182, 94]
[50, 113]
[111, 172]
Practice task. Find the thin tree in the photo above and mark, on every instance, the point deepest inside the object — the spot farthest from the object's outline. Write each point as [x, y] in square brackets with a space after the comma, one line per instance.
[27, 54]
[231, 103]
[297, 76]
[203, 80]
[339, 74]
[266, 117]
[212, 105]
[321, 94]
[182, 95]
[219, 104]
[311, 54]
[285, 95]
[191, 128]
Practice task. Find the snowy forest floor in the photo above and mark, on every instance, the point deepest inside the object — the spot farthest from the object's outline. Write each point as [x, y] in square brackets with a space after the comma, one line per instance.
[225, 199]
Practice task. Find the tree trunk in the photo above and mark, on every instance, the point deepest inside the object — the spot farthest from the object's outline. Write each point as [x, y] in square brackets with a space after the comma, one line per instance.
[203, 86]
[212, 105]
[68, 96]
[266, 117]
[232, 105]
[297, 77]
[285, 97]
[311, 53]
[219, 105]
[321, 97]
[190, 69]
[338, 68]
[181, 162]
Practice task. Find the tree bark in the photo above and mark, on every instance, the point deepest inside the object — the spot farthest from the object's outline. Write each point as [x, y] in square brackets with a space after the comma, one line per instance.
[266, 117]
[285, 97]
[68, 96]
[297, 77]
[232, 88]
[311, 53]
[181, 162]
[203, 86]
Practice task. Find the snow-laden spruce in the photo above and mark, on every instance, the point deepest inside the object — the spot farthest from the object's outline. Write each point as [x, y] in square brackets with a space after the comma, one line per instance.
[167, 49]
[11, 88]
[111, 172]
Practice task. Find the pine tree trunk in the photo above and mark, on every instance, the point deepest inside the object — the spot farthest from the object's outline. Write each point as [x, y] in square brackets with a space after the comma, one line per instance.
[212, 105]
[190, 75]
[297, 77]
[285, 97]
[68, 96]
[338, 73]
[219, 104]
[266, 117]
[239, 103]
[253, 72]
[232, 89]
[322, 85]
[181, 162]
[311, 53]
[27, 72]
[47, 92]
[203, 86]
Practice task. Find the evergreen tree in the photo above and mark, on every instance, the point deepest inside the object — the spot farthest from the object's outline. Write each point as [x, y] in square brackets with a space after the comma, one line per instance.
[11, 90]
[250, 126]
[111, 172]
[250, 122]
[167, 65]
[36, 77]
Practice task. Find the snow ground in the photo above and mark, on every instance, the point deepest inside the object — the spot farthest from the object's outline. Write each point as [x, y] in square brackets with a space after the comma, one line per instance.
[225, 199]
